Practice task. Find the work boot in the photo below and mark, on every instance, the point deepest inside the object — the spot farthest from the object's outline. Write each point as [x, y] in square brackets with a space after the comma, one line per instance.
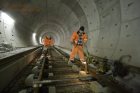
[85, 66]
[84, 62]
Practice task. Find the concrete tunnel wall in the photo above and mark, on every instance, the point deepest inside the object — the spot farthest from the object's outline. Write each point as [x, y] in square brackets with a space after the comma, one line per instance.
[112, 25]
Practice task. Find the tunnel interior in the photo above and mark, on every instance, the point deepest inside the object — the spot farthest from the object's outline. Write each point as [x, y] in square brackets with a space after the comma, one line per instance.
[112, 26]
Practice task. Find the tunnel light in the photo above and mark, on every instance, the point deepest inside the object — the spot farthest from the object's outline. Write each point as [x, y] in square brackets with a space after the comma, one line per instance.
[40, 40]
[34, 38]
[7, 18]
[34, 35]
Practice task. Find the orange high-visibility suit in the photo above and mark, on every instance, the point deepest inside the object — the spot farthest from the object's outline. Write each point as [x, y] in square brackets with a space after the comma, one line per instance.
[77, 48]
[51, 42]
[46, 41]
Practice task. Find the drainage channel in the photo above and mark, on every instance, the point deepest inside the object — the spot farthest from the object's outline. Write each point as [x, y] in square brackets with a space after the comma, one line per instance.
[16, 68]
[18, 83]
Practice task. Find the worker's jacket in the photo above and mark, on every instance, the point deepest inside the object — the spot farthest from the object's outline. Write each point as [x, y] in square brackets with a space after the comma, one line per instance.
[75, 38]
[51, 42]
[46, 41]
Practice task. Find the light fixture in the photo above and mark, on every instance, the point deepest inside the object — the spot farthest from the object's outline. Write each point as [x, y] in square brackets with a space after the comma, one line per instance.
[34, 35]
[34, 38]
[7, 18]
[40, 40]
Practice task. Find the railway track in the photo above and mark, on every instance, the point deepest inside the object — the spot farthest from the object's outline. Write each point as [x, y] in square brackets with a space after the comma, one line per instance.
[56, 76]
[67, 80]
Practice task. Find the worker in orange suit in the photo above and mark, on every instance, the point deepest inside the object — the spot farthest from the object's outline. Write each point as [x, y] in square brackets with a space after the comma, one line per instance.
[78, 39]
[46, 41]
[51, 41]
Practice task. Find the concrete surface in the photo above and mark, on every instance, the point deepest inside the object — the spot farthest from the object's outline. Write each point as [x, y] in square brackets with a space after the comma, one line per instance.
[9, 72]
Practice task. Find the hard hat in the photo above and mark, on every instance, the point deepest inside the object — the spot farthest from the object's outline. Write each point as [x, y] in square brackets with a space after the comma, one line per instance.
[82, 28]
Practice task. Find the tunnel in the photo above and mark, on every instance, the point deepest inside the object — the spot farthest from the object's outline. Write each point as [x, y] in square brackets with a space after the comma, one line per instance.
[112, 27]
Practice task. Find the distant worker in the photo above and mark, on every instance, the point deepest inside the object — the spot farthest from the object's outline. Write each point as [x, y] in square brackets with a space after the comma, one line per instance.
[46, 41]
[51, 41]
[78, 39]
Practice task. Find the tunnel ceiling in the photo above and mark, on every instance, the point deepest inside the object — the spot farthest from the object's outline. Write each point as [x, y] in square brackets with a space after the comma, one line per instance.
[48, 17]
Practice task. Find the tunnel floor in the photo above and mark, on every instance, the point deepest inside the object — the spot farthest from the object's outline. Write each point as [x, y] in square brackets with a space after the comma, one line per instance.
[67, 79]
[54, 75]
[62, 71]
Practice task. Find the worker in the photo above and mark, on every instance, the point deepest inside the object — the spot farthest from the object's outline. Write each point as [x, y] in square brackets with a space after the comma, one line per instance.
[78, 39]
[51, 41]
[46, 41]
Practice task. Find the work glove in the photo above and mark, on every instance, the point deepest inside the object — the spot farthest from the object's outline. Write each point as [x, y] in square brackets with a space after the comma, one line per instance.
[73, 42]
[76, 42]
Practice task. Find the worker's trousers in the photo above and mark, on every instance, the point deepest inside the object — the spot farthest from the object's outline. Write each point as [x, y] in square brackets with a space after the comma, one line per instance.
[77, 50]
